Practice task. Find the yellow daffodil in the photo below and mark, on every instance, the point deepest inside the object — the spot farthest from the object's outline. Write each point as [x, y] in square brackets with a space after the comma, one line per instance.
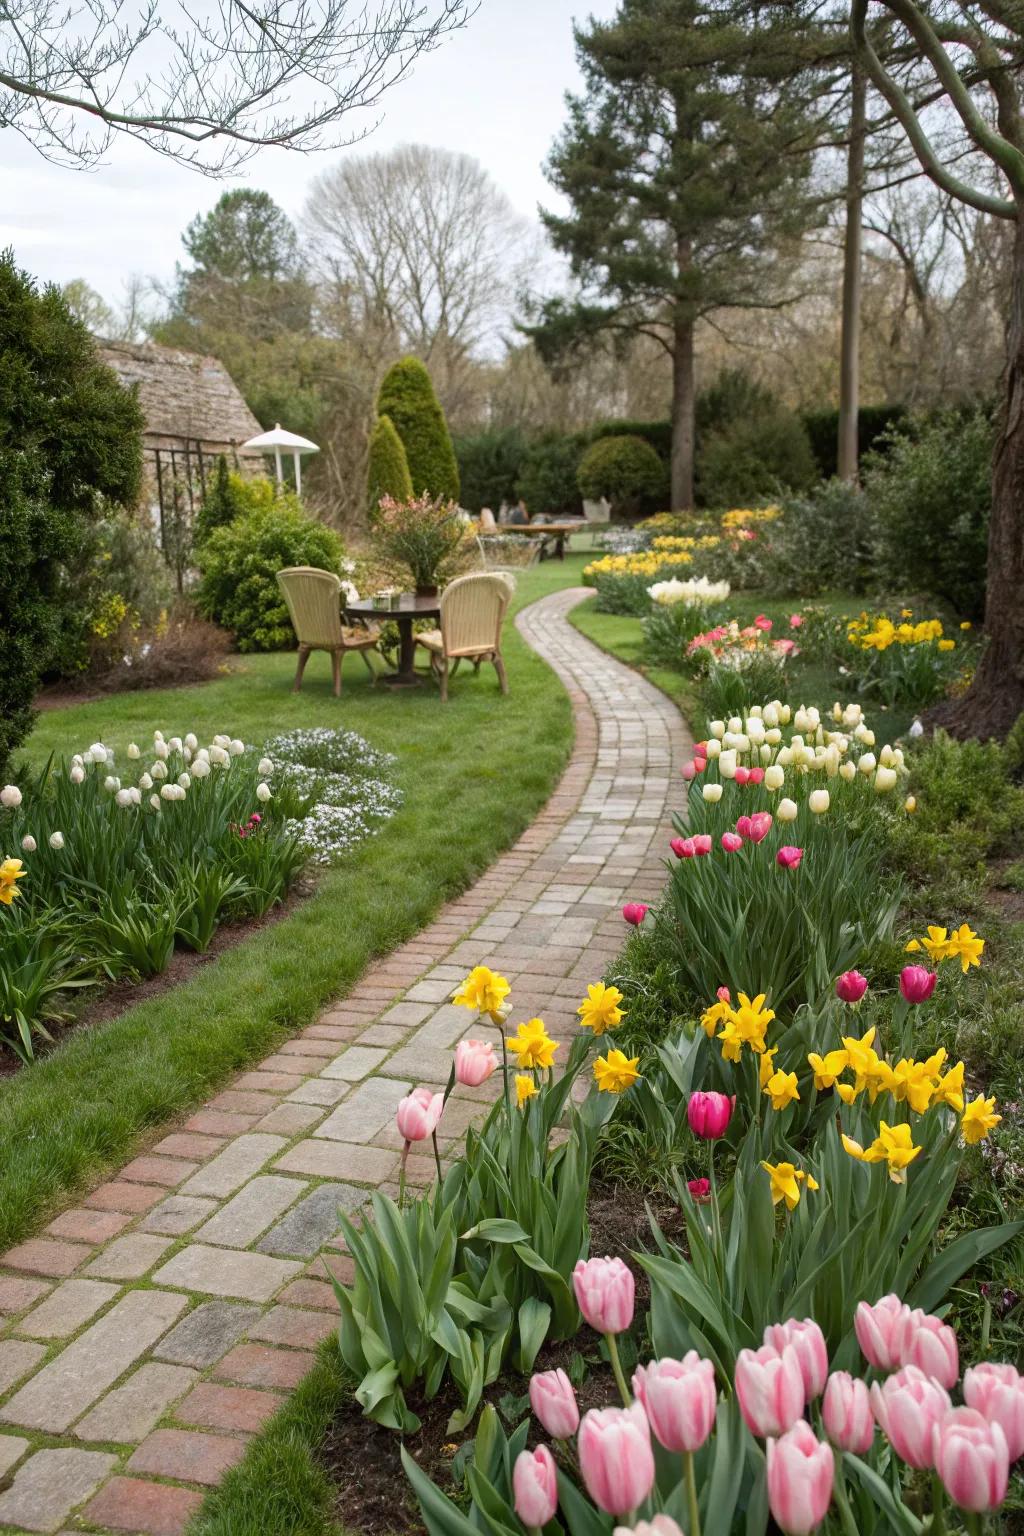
[965, 945]
[947, 645]
[786, 1179]
[978, 1120]
[781, 1088]
[484, 991]
[715, 1015]
[11, 871]
[966, 624]
[935, 943]
[893, 1145]
[525, 1088]
[532, 1045]
[949, 1089]
[766, 1065]
[828, 1067]
[615, 1072]
[600, 1009]
[746, 1024]
[848, 1092]
[914, 1082]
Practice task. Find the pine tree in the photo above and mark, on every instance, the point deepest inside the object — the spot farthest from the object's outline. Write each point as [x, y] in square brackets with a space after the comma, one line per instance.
[686, 162]
[407, 397]
[387, 469]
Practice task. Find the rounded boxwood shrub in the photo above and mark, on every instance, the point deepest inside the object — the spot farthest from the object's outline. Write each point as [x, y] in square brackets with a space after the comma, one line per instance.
[387, 468]
[239, 565]
[623, 469]
[753, 457]
[407, 396]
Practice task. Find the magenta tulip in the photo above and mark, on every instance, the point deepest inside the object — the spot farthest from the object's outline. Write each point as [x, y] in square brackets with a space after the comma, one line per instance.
[811, 1350]
[908, 1406]
[682, 847]
[474, 1062]
[800, 1472]
[709, 1114]
[846, 1413]
[930, 1344]
[760, 826]
[700, 1190]
[634, 912]
[997, 1392]
[702, 843]
[851, 986]
[680, 1399]
[917, 984]
[605, 1290]
[769, 1389]
[418, 1114]
[741, 775]
[789, 857]
[756, 775]
[731, 842]
[743, 826]
[554, 1403]
[535, 1486]
[616, 1458]
[972, 1460]
[877, 1330]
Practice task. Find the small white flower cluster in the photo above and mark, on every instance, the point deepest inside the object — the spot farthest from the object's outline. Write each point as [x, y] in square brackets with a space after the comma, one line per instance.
[347, 776]
[696, 593]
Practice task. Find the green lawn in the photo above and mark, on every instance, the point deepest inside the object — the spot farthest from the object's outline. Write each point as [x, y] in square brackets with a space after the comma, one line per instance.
[474, 773]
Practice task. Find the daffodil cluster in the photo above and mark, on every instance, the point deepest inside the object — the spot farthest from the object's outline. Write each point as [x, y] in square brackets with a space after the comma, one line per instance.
[675, 541]
[743, 517]
[643, 563]
[878, 633]
[961, 944]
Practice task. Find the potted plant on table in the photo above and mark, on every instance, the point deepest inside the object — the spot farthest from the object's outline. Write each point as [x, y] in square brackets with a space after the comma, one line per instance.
[424, 534]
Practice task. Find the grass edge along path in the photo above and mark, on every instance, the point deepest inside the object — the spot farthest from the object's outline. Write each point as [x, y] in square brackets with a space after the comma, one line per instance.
[622, 636]
[101, 1096]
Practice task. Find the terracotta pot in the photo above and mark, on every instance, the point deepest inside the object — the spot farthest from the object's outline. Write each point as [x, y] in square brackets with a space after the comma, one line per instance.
[426, 591]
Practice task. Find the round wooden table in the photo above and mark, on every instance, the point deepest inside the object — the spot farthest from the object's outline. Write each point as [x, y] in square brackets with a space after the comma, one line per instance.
[557, 532]
[410, 608]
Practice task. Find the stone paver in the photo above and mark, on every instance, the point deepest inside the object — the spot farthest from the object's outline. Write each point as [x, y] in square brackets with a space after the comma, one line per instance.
[243, 1195]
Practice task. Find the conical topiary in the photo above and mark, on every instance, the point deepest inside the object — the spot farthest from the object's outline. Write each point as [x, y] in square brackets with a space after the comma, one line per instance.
[387, 470]
[407, 396]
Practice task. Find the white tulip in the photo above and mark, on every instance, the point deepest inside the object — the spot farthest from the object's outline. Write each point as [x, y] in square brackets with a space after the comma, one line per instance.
[712, 793]
[774, 777]
[136, 795]
[161, 750]
[218, 757]
[785, 713]
[184, 781]
[133, 751]
[848, 771]
[98, 752]
[770, 715]
[57, 840]
[175, 743]
[78, 761]
[742, 743]
[10, 796]
[200, 768]
[111, 784]
[77, 775]
[159, 769]
[784, 756]
[264, 767]
[145, 782]
[717, 728]
[713, 748]
[866, 762]
[885, 779]
[818, 800]
[886, 757]
[756, 711]
[203, 754]
[124, 797]
[787, 810]
[755, 731]
[773, 737]
[154, 801]
[222, 741]
[186, 754]
[735, 724]
[191, 741]
[28, 843]
[765, 753]
[727, 765]
[916, 729]
[263, 792]
[158, 735]
[168, 792]
[236, 747]
[730, 741]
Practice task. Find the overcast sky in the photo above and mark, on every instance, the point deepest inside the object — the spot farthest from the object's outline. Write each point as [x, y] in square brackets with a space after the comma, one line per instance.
[493, 90]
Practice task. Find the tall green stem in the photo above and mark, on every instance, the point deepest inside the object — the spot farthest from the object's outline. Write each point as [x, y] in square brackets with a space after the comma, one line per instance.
[437, 1158]
[620, 1380]
[401, 1176]
[691, 1492]
[716, 1217]
[937, 1525]
[846, 1519]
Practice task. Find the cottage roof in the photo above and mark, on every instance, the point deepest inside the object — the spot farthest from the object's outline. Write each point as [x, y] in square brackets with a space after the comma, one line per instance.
[185, 397]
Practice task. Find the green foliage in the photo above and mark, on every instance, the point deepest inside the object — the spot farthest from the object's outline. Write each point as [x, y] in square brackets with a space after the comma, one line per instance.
[657, 433]
[489, 464]
[423, 535]
[872, 424]
[547, 475]
[752, 457]
[821, 542]
[227, 497]
[626, 470]
[930, 496]
[387, 469]
[407, 396]
[239, 565]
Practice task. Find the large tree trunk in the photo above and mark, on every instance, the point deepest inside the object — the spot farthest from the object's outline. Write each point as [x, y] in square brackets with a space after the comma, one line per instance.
[683, 401]
[849, 351]
[995, 698]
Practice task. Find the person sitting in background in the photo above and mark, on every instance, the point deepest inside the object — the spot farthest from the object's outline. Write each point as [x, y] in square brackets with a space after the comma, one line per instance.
[519, 516]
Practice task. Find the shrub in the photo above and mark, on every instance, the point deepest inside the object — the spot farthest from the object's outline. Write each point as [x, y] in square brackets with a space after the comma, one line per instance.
[624, 469]
[179, 648]
[657, 433]
[547, 477]
[239, 565]
[226, 498]
[421, 535]
[752, 457]
[822, 541]
[489, 464]
[872, 424]
[930, 497]
[407, 397]
[387, 469]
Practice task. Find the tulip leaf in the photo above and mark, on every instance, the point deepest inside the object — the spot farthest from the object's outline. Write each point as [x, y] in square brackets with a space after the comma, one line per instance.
[578, 1513]
[900, 1518]
[534, 1322]
[956, 1259]
[440, 1515]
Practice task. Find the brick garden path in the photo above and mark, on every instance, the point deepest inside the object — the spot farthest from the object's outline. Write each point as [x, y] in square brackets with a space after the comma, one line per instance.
[153, 1328]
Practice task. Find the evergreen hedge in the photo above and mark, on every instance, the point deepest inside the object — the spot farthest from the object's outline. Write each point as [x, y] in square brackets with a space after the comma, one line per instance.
[387, 469]
[407, 397]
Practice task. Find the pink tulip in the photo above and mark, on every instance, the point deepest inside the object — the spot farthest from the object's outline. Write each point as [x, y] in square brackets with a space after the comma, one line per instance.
[800, 1472]
[971, 1457]
[930, 1344]
[762, 622]
[743, 826]
[689, 771]
[702, 843]
[742, 775]
[908, 1406]
[755, 775]
[997, 1392]
[700, 1190]
[634, 912]
[789, 857]
[724, 995]
[731, 842]
[535, 1486]
[680, 1399]
[877, 1330]
[851, 986]
[760, 826]
[795, 620]
[418, 1114]
[474, 1062]
[616, 1459]
[709, 1114]
[769, 1389]
[846, 1413]
[605, 1291]
[682, 847]
[917, 984]
[554, 1403]
[811, 1350]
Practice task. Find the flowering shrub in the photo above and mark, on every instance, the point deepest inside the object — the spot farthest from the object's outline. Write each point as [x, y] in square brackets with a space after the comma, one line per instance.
[912, 662]
[622, 582]
[422, 537]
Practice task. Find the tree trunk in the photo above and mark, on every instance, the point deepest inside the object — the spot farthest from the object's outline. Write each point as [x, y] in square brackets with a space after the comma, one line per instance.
[995, 698]
[849, 351]
[683, 401]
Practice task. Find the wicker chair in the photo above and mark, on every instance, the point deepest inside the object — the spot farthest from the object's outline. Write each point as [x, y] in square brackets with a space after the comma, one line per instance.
[473, 610]
[314, 606]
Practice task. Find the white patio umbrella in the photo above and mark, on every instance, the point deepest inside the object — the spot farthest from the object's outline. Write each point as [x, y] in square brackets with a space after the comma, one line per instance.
[290, 442]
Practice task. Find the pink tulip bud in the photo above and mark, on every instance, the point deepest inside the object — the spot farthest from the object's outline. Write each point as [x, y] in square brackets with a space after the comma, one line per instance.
[917, 984]
[741, 775]
[702, 843]
[634, 912]
[616, 1459]
[724, 995]
[763, 622]
[795, 620]
[877, 1330]
[743, 826]
[769, 1389]
[474, 1062]
[811, 1350]
[682, 847]
[760, 826]
[700, 1190]
[709, 1114]
[605, 1291]
[554, 1403]
[846, 1413]
[930, 1344]
[851, 986]
[997, 1392]
[535, 1486]
[789, 857]
[680, 1398]
[971, 1457]
[755, 775]
[800, 1472]
[731, 842]
[689, 771]
[658, 1525]
[908, 1406]
[418, 1114]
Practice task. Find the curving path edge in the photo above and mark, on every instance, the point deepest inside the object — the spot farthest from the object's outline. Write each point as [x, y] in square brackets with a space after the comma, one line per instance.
[152, 1329]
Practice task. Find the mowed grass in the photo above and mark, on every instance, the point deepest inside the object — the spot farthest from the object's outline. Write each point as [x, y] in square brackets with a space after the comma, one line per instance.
[473, 773]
